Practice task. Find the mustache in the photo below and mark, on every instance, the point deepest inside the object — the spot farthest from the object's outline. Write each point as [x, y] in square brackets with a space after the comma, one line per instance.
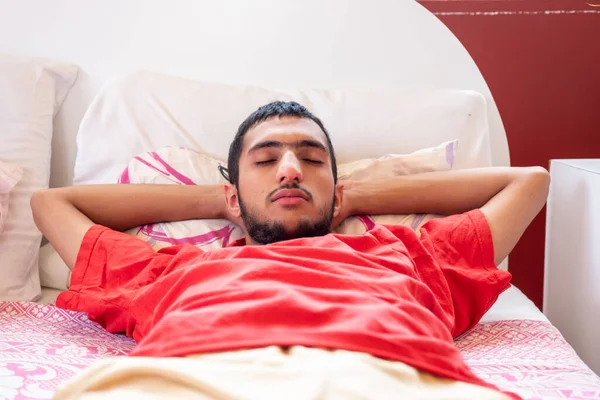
[291, 186]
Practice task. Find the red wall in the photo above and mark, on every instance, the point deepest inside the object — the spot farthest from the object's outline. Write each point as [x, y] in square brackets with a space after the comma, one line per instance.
[541, 61]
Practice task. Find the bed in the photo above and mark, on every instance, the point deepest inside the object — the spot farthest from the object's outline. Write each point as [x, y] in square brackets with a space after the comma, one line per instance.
[514, 347]
[400, 46]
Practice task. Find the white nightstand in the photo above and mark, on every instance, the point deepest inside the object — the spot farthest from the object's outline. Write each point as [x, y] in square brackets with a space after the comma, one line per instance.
[572, 260]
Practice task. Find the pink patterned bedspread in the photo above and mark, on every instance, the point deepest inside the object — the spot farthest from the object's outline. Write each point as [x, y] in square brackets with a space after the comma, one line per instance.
[41, 346]
[529, 358]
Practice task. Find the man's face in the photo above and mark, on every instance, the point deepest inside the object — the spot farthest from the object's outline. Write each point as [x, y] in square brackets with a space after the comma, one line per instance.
[285, 188]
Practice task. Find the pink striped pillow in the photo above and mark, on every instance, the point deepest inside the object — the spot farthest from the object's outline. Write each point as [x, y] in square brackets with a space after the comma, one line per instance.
[439, 158]
[182, 166]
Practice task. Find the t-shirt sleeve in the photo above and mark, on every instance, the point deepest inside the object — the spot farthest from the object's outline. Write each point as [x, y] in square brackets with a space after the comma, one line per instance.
[112, 268]
[463, 250]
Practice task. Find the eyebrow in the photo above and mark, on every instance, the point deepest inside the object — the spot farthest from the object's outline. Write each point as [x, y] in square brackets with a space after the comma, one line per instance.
[301, 143]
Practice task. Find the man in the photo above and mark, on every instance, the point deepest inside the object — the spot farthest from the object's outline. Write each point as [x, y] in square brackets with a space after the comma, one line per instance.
[294, 312]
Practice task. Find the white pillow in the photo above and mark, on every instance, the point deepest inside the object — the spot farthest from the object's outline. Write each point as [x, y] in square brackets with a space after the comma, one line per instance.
[146, 111]
[31, 92]
[181, 166]
[10, 174]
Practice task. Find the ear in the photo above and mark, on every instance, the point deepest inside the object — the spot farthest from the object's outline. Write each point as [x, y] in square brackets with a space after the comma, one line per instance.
[338, 200]
[232, 201]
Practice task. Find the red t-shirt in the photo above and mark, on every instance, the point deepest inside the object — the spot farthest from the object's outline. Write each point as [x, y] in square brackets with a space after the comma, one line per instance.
[390, 292]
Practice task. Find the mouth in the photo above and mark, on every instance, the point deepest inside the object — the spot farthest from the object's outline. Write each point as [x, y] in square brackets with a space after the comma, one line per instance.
[290, 197]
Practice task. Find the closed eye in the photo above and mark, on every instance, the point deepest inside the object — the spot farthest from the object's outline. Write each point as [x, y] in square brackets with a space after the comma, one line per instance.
[317, 162]
[265, 162]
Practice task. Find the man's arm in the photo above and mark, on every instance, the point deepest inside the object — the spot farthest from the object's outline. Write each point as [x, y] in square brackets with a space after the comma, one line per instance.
[64, 215]
[509, 198]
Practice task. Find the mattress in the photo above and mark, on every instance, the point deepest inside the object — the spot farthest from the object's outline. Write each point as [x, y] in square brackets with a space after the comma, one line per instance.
[514, 346]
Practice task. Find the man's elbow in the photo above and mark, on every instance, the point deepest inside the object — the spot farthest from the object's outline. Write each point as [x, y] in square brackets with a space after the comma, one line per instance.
[37, 203]
[541, 176]
[37, 200]
[538, 180]
[41, 203]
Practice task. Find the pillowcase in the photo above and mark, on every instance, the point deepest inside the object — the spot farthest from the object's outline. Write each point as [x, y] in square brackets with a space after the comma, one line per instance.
[181, 166]
[439, 158]
[9, 176]
[31, 92]
[145, 111]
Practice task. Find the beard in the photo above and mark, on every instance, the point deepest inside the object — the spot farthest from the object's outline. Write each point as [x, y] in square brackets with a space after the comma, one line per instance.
[265, 232]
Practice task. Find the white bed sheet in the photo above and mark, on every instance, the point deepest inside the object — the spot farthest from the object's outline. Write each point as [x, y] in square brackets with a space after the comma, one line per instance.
[511, 305]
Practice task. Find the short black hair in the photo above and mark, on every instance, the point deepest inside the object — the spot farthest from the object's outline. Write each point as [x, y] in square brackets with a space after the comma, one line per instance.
[263, 113]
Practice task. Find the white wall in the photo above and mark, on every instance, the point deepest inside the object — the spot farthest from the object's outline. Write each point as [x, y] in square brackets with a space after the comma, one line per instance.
[335, 43]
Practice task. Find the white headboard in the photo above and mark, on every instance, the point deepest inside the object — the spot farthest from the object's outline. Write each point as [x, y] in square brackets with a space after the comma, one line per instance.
[275, 43]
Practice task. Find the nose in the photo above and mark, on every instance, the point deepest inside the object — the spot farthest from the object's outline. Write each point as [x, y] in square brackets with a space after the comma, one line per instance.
[289, 169]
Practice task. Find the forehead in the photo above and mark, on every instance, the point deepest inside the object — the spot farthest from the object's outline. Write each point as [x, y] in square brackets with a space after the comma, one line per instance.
[285, 129]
